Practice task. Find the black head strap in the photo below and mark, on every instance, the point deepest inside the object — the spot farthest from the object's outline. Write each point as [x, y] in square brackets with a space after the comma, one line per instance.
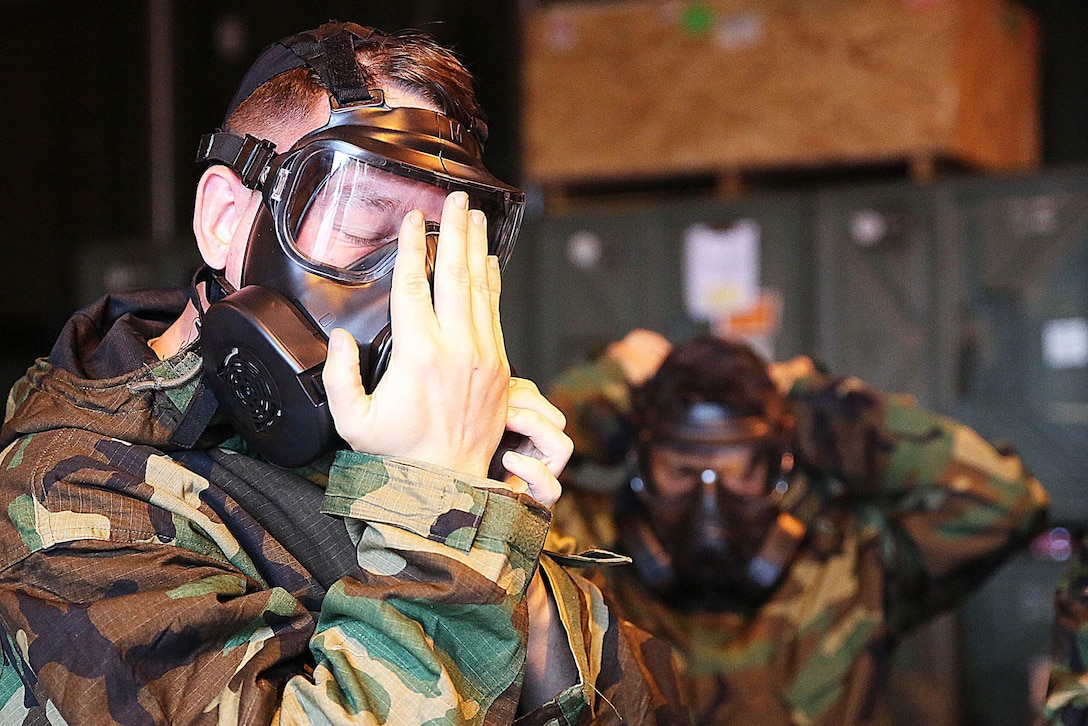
[247, 155]
[330, 52]
[216, 287]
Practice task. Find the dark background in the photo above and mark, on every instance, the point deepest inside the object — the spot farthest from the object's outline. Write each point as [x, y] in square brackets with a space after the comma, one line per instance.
[75, 151]
[75, 94]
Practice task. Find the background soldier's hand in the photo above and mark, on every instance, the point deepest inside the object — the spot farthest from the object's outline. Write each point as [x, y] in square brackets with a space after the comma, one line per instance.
[443, 399]
[786, 373]
[639, 353]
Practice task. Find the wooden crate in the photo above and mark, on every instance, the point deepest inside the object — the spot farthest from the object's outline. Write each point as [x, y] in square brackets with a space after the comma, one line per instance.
[643, 89]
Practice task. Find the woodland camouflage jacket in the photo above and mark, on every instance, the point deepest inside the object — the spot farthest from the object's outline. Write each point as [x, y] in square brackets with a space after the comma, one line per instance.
[907, 511]
[148, 577]
[1067, 694]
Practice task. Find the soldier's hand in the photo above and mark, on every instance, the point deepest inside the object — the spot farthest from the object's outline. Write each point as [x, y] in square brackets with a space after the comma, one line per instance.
[443, 398]
[537, 467]
[639, 354]
[786, 373]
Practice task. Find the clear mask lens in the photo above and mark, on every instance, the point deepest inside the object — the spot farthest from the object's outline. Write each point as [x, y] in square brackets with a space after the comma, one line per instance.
[341, 215]
[682, 473]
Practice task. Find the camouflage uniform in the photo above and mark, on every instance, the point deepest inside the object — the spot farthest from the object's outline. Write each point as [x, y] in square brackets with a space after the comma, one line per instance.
[148, 576]
[907, 511]
[1067, 693]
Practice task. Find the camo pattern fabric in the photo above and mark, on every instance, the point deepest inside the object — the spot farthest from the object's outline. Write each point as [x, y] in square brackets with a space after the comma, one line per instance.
[135, 590]
[1066, 701]
[914, 511]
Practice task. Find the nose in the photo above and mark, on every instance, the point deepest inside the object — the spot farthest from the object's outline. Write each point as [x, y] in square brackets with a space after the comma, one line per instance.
[708, 502]
[709, 530]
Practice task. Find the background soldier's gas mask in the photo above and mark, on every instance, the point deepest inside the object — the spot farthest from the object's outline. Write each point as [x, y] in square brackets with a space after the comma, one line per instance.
[322, 246]
[706, 519]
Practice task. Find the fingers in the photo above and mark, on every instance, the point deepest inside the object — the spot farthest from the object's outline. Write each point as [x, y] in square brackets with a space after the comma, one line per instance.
[549, 444]
[786, 373]
[537, 463]
[494, 282]
[410, 298]
[524, 394]
[348, 401]
[466, 281]
[533, 416]
[640, 353]
[444, 397]
[542, 485]
[452, 274]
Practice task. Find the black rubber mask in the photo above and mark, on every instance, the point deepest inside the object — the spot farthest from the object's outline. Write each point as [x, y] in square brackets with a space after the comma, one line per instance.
[696, 543]
[322, 247]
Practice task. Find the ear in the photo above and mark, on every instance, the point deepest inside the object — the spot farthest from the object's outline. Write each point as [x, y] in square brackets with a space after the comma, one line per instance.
[221, 204]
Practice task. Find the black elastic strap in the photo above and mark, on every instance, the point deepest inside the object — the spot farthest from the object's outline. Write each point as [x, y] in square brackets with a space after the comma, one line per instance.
[216, 286]
[332, 57]
[247, 155]
[197, 416]
[204, 404]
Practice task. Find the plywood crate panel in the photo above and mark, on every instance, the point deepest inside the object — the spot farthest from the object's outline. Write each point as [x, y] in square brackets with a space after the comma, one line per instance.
[652, 88]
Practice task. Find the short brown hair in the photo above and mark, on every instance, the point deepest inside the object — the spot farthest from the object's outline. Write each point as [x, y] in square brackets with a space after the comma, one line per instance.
[706, 369]
[408, 60]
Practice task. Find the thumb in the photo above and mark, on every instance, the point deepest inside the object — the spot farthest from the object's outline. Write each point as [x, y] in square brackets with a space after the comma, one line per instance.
[348, 400]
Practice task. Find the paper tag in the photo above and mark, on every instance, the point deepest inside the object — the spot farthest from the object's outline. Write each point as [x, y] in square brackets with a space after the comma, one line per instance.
[1065, 343]
[721, 269]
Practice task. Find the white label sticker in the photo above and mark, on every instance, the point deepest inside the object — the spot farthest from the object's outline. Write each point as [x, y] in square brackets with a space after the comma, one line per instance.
[721, 269]
[742, 30]
[1065, 343]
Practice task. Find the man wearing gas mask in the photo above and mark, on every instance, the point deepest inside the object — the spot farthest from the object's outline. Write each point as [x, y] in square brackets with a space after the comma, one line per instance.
[266, 499]
[786, 526]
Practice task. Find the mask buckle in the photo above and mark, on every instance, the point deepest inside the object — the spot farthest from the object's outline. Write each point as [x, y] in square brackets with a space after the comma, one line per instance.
[247, 156]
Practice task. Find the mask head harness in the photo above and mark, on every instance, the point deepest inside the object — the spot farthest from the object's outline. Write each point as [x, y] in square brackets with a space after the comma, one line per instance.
[322, 246]
[700, 541]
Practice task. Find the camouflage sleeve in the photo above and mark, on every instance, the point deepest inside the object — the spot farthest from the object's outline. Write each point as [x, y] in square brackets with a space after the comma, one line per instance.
[950, 505]
[625, 675]
[433, 627]
[596, 401]
[126, 598]
[488, 541]
[1066, 701]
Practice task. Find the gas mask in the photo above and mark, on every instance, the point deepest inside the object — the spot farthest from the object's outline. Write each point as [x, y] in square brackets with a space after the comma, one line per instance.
[322, 247]
[707, 519]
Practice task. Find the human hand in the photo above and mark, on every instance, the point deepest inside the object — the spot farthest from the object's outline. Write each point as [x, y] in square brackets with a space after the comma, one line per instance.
[535, 465]
[443, 398]
[639, 354]
[786, 373]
